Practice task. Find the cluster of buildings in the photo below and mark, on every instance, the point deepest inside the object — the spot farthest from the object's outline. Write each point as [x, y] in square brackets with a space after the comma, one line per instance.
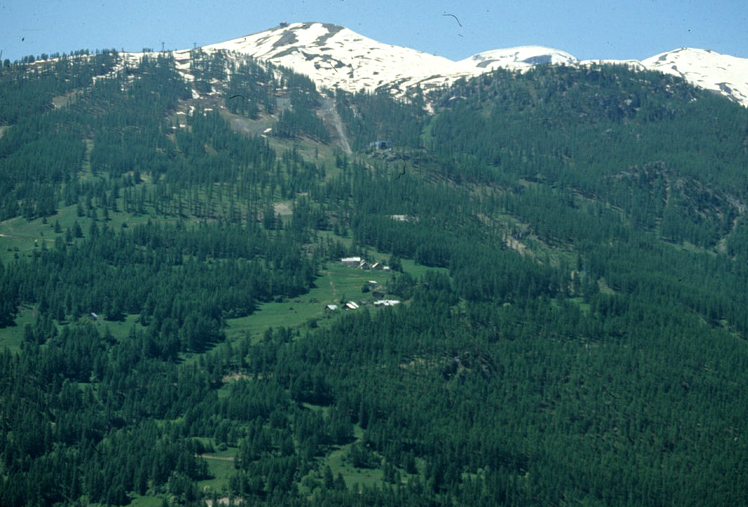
[359, 263]
[377, 291]
[352, 305]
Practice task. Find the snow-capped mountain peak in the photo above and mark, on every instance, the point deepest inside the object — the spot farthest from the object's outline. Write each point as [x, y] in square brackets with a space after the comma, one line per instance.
[706, 69]
[516, 58]
[336, 57]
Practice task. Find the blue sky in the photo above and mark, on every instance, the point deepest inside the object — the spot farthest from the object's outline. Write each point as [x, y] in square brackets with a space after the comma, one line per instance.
[588, 29]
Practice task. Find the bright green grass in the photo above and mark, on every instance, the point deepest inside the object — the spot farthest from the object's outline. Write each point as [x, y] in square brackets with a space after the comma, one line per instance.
[336, 283]
[120, 330]
[359, 477]
[339, 464]
[11, 337]
[287, 314]
[373, 255]
[146, 501]
[687, 246]
[352, 476]
[221, 467]
[20, 236]
[418, 270]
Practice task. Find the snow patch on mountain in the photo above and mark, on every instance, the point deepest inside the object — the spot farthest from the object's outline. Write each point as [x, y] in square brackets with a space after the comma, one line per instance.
[519, 58]
[710, 70]
[336, 57]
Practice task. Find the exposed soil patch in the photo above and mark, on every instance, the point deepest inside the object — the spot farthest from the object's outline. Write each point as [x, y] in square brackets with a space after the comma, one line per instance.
[332, 119]
[282, 209]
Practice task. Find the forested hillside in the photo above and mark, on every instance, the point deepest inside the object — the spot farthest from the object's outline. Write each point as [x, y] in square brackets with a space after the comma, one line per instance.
[568, 247]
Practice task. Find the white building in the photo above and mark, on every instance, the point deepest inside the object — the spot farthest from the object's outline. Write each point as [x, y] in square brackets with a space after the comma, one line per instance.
[386, 302]
[351, 261]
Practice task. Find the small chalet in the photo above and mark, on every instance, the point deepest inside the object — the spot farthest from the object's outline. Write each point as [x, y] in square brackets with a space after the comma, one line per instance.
[331, 308]
[352, 261]
[387, 302]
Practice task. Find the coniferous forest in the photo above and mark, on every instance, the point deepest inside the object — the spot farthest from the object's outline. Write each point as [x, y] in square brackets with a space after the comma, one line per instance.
[569, 247]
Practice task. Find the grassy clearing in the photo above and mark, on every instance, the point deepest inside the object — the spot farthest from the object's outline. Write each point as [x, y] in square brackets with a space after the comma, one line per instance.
[353, 476]
[336, 283]
[147, 501]
[687, 246]
[120, 329]
[19, 237]
[221, 467]
[360, 477]
[373, 255]
[338, 461]
[11, 337]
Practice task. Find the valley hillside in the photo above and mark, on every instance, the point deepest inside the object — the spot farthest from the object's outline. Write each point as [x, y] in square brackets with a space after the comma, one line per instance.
[227, 278]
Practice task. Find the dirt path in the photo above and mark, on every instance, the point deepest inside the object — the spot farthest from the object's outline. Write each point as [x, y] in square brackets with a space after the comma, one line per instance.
[217, 458]
[332, 284]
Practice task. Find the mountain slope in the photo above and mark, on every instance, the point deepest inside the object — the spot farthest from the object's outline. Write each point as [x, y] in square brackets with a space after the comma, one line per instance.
[706, 69]
[573, 333]
[519, 58]
[336, 57]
